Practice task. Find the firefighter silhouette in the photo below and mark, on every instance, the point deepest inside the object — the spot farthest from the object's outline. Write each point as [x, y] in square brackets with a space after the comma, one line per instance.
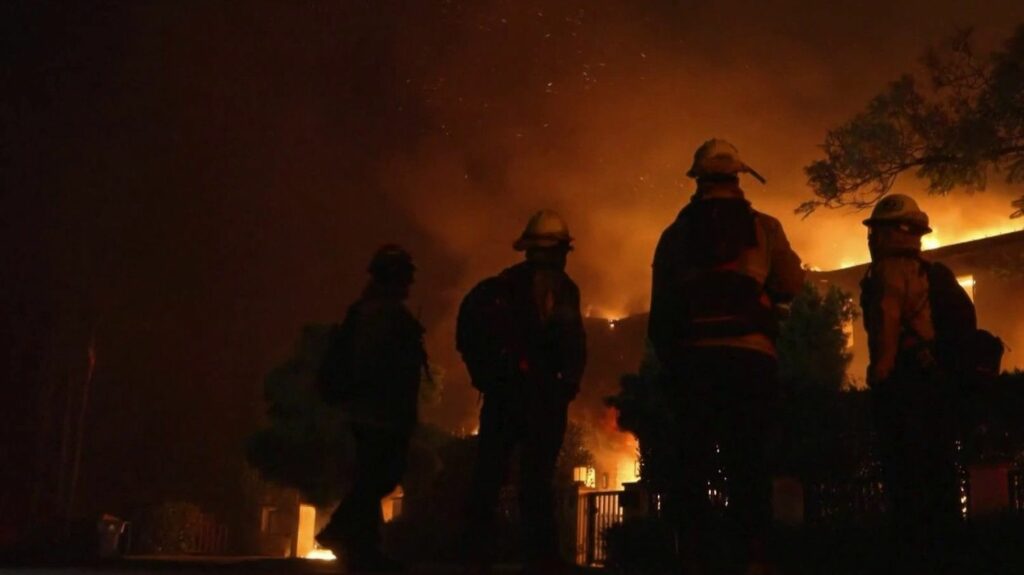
[521, 336]
[372, 369]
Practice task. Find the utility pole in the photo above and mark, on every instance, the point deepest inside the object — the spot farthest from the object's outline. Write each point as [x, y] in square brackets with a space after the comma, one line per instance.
[63, 475]
[80, 432]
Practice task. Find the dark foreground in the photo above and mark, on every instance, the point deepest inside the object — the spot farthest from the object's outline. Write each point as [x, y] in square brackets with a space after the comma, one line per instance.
[841, 564]
[212, 565]
[990, 548]
[219, 565]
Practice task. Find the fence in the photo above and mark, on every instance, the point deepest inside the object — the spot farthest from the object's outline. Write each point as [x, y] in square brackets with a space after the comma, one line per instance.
[854, 500]
[178, 528]
[1016, 480]
[596, 512]
[210, 537]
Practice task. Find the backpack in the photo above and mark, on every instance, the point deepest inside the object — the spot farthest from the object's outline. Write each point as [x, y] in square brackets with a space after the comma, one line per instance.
[710, 298]
[960, 347]
[334, 379]
[482, 326]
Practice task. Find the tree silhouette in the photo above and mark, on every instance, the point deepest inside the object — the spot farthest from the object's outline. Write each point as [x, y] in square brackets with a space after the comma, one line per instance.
[824, 429]
[813, 357]
[964, 126]
[305, 444]
[812, 342]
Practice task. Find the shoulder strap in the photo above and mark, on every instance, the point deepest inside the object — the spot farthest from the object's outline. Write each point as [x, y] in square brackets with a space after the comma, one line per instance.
[925, 267]
[867, 287]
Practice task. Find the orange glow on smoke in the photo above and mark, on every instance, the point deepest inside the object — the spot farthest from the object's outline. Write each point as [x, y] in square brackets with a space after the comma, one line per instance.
[610, 314]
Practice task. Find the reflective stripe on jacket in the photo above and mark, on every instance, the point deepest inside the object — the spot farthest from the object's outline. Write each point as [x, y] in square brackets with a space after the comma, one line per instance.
[768, 260]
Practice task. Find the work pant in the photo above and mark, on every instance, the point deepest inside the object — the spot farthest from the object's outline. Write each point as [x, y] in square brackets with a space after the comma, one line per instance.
[916, 422]
[725, 402]
[535, 423]
[380, 455]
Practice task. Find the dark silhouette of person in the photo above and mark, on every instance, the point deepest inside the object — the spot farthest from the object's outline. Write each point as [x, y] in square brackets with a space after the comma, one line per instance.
[913, 398]
[719, 272]
[372, 368]
[521, 336]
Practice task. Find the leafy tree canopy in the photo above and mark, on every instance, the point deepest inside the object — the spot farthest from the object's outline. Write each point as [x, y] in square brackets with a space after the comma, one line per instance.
[812, 341]
[306, 444]
[573, 454]
[965, 125]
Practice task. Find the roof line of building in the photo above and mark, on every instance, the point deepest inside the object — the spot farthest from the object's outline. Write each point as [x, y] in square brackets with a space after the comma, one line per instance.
[943, 252]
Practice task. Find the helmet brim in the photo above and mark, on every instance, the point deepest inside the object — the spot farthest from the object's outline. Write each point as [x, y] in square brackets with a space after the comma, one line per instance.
[924, 229]
[525, 243]
[744, 169]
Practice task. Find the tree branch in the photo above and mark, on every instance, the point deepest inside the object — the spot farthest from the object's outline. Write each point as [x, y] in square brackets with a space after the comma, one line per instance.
[966, 128]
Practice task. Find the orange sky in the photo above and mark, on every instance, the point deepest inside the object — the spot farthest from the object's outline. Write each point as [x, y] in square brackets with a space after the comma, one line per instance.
[193, 185]
[596, 113]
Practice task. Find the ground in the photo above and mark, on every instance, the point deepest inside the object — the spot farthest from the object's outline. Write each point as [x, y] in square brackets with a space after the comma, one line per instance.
[215, 565]
[978, 548]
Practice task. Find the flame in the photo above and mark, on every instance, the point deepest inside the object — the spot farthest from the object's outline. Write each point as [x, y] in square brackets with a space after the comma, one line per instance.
[967, 282]
[938, 238]
[609, 314]
[615, 451]
[626, 471]
[320, 555]
[627, 464]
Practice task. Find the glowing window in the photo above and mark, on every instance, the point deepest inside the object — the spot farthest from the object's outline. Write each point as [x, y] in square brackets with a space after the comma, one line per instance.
[967, 282]
[267, 518]
[848, 332]
[587, 476]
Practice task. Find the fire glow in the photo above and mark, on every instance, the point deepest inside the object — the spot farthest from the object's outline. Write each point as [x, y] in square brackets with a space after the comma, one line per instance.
[939, 238]
[835, 241]
[320, 555]
[616, 455]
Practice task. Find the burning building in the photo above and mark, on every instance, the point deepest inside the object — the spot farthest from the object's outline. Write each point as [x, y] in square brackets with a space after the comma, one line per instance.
[616, 347]
[991, 269]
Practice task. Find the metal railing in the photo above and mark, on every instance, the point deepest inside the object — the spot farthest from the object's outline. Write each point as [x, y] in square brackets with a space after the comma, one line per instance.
[597, 511]
[1016, 480]
[210, 537]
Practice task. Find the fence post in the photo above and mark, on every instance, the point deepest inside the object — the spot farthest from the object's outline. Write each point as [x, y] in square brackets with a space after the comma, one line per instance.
[591, 527]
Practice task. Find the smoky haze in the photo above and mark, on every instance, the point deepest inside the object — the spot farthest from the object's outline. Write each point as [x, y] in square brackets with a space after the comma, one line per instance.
[193, 184]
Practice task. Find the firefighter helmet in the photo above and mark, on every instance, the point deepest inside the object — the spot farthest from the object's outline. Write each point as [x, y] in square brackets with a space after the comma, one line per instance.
[900, 209]
[391, 263]
[546, 229]
[717, 157]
